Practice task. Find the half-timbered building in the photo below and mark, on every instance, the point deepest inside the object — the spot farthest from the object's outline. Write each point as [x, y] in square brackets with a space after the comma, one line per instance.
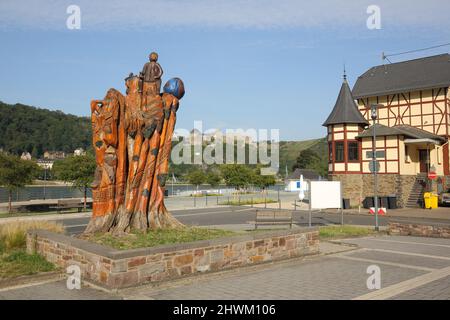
[412, 129]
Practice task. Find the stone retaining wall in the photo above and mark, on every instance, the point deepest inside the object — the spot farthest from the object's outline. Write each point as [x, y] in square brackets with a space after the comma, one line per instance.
[115, 269]
[357, 186]
[419, 230]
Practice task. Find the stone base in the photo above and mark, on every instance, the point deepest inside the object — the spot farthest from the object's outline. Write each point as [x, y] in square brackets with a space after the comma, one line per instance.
[419, 230]
[357, 187]
[116, 269]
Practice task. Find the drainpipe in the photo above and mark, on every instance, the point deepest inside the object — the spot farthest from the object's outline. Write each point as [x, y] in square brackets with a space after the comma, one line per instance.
[442, 146]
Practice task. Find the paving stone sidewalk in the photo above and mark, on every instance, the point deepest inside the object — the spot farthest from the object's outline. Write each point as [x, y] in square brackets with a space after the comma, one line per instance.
[340, 272]
[55, 290]
[337, 275]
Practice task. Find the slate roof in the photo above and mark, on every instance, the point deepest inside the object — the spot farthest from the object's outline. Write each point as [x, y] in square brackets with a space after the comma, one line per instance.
[345, 109]
[307, 174]
[419, 74]
[402, 130]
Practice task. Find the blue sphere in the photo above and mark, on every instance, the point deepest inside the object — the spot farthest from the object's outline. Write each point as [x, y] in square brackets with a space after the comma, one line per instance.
[174, 86]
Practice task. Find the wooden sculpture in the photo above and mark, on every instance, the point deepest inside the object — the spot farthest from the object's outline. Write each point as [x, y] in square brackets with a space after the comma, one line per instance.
[132, 141]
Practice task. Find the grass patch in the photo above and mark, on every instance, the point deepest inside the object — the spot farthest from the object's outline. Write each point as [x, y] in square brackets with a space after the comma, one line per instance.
[248, 201]
[158, 237]
[345, 231]
[13, 234]
[14, 261]
[199, 195]
[19, 263]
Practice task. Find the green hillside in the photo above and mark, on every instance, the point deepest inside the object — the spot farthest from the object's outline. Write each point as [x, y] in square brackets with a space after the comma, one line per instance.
[289, 151]
[25, 128]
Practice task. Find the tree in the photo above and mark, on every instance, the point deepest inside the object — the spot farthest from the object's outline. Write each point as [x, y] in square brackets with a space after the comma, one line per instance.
[16, 173]
[237, 175]
[213, 179]
[263, 181]
[44, 130]
[78, 170]
[196, 177]
[307, 159]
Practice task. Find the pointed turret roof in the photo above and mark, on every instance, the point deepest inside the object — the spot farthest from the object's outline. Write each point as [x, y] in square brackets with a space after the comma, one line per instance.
[345, 110]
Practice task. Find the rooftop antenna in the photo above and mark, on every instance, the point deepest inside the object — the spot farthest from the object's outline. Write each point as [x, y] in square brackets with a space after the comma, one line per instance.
[384, 58]
[345, 73]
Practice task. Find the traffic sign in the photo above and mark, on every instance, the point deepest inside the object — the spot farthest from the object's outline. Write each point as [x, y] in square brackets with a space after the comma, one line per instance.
[432, 175]
[381, 211]
[379, 154]
[374, 166]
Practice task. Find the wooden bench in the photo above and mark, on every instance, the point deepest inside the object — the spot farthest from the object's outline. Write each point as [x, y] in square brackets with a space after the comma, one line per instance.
[65, 204]
[273, 217]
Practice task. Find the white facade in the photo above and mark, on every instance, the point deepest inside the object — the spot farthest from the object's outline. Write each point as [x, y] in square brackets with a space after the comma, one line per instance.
[293, 185]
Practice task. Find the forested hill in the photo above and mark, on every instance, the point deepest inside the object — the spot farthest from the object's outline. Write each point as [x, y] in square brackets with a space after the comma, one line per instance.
[26, 128]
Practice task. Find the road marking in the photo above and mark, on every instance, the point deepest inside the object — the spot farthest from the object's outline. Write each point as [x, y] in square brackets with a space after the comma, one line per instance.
[176, 215]
[406, 242]
[401, 265]
[396, 289]
[410, 254]
[75, 225]
[205, 213]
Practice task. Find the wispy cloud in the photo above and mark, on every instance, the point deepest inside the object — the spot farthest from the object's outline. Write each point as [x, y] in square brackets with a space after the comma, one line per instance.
[261, 14]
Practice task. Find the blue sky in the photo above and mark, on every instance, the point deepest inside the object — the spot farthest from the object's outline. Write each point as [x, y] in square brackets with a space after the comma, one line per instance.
[246, 64]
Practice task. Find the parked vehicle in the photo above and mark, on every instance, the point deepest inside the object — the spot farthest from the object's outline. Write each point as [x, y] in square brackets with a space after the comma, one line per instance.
[444, 198]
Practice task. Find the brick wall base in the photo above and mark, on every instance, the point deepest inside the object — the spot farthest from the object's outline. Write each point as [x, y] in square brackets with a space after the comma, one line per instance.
[357, 187]
[115, 269]
[419, 230]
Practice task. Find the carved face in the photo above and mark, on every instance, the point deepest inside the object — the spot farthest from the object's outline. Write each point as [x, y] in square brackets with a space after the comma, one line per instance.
[132, 85]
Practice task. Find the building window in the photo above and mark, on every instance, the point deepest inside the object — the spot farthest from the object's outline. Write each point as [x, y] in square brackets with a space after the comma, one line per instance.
[353, 151]
[339, 151]
[330, 151]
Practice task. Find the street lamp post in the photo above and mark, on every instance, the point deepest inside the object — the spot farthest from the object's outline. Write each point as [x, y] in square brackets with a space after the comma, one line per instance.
[45, 180]
[374, 163]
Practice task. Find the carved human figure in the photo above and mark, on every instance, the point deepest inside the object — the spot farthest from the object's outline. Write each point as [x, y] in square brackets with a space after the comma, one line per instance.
[151, 76]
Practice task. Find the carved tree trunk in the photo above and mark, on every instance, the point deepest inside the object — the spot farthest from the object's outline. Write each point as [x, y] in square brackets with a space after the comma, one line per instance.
[132, 141]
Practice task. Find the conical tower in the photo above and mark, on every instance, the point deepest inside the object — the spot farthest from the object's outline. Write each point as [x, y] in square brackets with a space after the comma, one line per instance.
[344, 123]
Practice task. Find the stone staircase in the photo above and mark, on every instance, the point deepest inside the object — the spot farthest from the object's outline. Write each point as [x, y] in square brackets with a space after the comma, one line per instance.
[415, 198]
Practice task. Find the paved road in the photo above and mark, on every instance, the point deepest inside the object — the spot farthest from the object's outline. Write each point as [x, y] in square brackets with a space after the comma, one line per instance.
[242, 215]
[411, 268]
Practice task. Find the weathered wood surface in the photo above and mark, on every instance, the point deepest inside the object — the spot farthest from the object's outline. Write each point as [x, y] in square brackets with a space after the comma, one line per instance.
[273, 217]
[132, 141]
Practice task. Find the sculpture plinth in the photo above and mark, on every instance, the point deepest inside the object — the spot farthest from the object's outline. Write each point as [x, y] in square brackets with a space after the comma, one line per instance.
[132, 141]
